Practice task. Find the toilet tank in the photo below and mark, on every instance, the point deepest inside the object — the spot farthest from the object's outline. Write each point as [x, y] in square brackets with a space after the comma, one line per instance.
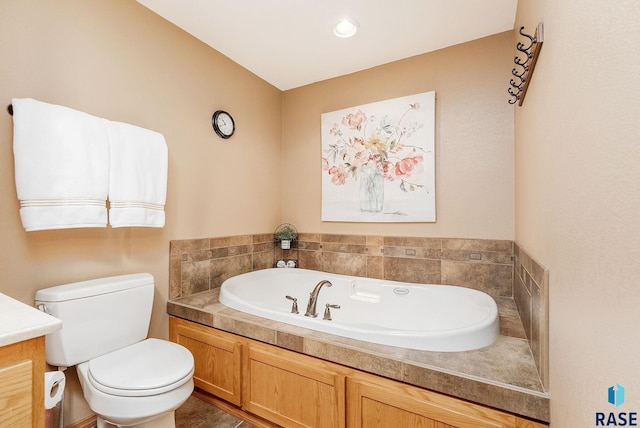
[98, 316]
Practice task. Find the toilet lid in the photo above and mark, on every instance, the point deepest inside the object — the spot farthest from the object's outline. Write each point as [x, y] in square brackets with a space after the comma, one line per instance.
[149, 367]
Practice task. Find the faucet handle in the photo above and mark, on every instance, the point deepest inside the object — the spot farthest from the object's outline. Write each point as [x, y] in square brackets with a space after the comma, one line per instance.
[327, 311]
[294, 306]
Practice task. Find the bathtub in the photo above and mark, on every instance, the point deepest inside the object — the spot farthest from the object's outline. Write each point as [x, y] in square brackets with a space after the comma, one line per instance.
[426, 317]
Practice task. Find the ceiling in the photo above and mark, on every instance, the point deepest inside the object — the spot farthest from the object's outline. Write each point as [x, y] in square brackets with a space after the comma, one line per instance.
[290, 43]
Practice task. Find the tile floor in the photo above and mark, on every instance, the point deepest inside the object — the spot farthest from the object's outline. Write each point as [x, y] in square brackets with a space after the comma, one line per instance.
[195, 413]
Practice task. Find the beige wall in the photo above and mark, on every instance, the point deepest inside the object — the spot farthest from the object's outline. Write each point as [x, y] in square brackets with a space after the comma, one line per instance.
[578, 198]
[474, 139]
[118, 60]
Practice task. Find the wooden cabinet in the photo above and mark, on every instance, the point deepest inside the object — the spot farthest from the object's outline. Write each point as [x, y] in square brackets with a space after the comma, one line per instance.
[293, 390]
[22, 367]
[374, 402]
[217, 355]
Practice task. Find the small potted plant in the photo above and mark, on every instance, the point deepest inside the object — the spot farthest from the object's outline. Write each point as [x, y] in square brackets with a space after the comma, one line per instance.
[286, 233]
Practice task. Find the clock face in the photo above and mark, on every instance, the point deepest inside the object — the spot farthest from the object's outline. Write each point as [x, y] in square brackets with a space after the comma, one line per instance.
[223, 124]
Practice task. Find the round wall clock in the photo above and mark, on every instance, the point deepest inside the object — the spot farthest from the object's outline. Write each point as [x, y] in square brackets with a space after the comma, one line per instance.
[223, 124]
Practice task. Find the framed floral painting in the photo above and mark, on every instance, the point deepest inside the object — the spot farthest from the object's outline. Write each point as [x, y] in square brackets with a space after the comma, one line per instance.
[378, 161]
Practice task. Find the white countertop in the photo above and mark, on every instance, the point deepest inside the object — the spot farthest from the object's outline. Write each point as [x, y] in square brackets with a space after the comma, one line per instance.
[19, 321]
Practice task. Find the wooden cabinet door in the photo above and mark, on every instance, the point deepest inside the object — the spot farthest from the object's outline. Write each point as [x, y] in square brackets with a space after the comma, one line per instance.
[382, 403]
[293, 390]
[22, 368]
[217, 355]
[15, 395]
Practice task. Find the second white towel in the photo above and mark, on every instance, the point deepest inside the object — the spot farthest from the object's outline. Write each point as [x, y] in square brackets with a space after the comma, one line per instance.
[138, 176]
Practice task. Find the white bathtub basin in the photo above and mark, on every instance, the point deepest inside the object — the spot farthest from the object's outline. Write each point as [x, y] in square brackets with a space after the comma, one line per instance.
[417, 316]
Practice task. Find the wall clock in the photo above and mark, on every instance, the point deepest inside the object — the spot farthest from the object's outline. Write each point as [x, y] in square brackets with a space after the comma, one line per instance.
[223, 124]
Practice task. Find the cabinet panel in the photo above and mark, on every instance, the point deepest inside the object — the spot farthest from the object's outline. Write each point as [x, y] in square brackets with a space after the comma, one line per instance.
[218, 358]
[379, 403]
[377, 414]
[293, 390]
[15, 395]
[22, 368]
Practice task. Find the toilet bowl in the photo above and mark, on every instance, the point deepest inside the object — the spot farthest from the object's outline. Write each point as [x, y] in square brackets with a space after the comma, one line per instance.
[127, 379]
[139, 383]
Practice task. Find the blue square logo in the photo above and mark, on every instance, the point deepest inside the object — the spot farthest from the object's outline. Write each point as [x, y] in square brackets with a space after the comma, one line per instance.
[616, 395]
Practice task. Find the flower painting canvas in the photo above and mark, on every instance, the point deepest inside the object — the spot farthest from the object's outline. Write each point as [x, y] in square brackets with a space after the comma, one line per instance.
[378, 161]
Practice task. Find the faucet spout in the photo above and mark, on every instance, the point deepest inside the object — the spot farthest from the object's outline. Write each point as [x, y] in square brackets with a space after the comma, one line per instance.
[313, 298]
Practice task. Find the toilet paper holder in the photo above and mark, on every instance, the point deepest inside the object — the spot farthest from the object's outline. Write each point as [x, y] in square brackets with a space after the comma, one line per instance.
[54, 384]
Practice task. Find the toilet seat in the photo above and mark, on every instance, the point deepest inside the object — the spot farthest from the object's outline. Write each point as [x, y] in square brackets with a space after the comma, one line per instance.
[146, 368]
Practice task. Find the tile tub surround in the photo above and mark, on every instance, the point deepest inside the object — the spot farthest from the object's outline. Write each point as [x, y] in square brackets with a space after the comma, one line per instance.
[531, 295]
[202, 264]
[502, 375]
[198, 265]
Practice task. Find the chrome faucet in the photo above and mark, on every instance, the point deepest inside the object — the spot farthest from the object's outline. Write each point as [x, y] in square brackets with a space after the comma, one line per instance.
[313, 299]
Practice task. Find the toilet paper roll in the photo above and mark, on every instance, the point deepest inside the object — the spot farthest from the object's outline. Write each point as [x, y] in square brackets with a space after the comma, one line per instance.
[53, 388]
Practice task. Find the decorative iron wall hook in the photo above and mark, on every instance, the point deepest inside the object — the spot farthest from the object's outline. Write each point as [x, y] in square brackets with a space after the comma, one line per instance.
[524, 67]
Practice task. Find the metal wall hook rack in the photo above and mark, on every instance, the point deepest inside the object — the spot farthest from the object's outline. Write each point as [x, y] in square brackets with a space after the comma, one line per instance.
[524, 67]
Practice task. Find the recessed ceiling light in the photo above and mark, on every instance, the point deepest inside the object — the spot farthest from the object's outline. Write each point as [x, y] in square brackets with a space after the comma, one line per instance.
[346, 28]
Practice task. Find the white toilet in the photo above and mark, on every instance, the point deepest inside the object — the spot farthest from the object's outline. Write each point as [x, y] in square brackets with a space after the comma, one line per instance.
[128, 380]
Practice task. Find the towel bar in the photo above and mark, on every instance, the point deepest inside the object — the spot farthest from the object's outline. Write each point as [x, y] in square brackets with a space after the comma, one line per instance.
[10, 109]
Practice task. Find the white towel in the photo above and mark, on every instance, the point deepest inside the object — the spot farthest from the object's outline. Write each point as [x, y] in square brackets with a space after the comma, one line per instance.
[138, 176]
[61, 166]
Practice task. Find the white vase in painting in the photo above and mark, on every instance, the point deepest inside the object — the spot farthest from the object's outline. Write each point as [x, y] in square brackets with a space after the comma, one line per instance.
[371, 190]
